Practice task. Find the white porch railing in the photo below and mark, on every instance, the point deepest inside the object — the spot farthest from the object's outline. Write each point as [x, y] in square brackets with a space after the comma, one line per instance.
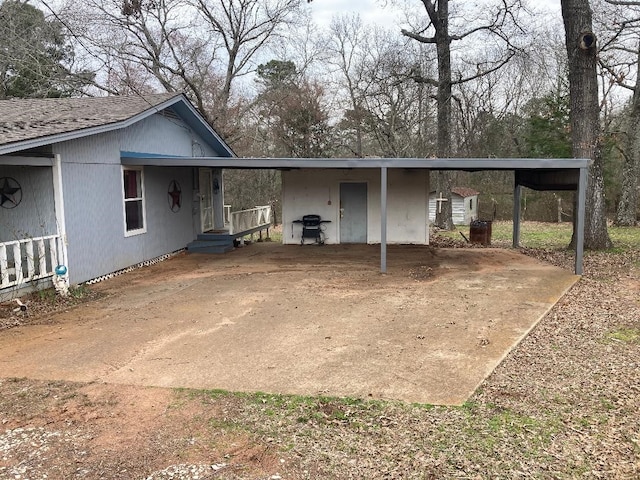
[227, 214]
[250, 220]
[30, 259]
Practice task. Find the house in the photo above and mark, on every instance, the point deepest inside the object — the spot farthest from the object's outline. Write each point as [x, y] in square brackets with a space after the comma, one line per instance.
[464, 205]
[66, 198]
[101, 184]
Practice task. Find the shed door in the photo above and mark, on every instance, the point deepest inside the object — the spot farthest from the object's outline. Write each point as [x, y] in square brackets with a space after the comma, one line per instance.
[206, 199]
[353, 213]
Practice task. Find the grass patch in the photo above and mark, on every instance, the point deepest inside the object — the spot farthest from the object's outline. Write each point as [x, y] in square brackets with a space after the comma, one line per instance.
[321, 409]
[555, 236]
[79, 291]
[297, 408]
[625, 335]
[48, 295]
[275, 236]
[625, 238]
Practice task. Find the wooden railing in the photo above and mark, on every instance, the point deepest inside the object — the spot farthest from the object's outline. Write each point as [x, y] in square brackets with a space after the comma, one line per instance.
[23, 261]
[250, 220]
[227, 214]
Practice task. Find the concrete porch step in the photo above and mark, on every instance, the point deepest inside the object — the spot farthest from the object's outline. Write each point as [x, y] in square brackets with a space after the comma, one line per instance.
[212, 242]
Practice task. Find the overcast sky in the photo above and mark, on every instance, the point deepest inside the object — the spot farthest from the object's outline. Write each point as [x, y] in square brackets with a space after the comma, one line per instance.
[373, 11]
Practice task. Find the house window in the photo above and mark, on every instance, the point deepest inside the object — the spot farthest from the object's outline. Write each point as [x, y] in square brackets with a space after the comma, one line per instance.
[471, 204]
[134, 211]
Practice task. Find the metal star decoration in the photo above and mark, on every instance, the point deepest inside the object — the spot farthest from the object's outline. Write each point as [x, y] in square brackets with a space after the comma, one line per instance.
[10, 192]
[175, 196]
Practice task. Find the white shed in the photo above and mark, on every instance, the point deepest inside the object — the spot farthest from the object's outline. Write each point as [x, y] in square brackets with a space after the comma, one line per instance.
[464, 205]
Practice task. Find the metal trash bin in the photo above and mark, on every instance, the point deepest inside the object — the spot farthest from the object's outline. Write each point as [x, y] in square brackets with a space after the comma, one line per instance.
[480, 232]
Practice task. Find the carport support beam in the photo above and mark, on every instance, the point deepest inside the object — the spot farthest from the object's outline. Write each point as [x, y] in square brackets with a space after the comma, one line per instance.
[579, 224]
[218, 199]
[383, 219]
[517, 192]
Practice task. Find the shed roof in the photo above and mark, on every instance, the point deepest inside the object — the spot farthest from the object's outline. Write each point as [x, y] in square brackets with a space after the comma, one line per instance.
[464, 192]
[34, 122]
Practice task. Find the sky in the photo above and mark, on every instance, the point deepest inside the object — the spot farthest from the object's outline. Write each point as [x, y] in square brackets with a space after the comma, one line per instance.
[374, 11]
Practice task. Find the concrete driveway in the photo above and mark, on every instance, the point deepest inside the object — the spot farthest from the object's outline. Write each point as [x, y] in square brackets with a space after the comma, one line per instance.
[300, 320]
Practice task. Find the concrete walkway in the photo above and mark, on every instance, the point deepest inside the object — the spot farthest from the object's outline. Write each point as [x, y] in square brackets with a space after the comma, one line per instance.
[300, 320]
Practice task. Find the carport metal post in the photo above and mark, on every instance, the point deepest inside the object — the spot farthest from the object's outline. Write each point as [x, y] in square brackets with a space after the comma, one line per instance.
[383, 220]
[517, 191]
[579, 225]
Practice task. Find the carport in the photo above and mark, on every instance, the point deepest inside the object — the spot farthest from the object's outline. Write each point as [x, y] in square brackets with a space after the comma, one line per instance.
[568, 174]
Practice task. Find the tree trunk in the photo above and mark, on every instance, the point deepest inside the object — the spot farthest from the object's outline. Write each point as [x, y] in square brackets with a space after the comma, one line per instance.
[628, 205]
[443, 218]
[585, 115]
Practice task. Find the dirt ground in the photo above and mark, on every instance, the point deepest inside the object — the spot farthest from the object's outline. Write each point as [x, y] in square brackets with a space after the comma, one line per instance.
[264, 319]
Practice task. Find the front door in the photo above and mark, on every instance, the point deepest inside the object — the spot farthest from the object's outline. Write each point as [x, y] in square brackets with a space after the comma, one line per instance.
[206, 199]
[353, 213]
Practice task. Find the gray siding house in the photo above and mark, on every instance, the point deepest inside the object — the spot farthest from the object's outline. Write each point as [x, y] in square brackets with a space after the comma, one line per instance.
[101, 184]
[67, 199]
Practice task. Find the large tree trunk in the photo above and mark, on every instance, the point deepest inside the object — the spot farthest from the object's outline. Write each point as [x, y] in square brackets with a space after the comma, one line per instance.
[442, 182]
[628, 205]
[585, 115]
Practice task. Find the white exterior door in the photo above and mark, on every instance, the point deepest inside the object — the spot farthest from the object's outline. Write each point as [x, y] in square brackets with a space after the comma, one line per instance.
[206, 199]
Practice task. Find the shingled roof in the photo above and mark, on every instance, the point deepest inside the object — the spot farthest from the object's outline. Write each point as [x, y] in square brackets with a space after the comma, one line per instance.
[30, 123]
[25, 119]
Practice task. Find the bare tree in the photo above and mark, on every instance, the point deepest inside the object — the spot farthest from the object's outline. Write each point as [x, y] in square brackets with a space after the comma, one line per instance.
[385, 111]
[581, 44]
[198, 46]
[157, 42]
[395, 113]
[244, 27]
[348, 49]
[619, 58]
[437, 33]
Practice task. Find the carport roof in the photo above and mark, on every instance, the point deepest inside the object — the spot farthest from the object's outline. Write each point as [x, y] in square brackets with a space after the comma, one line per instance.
[535, 173]
[131, 158]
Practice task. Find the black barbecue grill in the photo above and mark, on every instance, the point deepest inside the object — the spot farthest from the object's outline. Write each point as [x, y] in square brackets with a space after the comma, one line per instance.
[312, 228]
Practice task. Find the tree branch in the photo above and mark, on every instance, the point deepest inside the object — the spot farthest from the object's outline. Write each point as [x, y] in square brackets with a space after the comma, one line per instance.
[629, 3]
[417, 37]
[483, 73]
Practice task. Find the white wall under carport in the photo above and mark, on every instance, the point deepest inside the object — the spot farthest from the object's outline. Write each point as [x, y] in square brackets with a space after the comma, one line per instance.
[317, 191]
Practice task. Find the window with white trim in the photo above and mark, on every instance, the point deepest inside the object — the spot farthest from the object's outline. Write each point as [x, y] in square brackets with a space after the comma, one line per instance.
[134, 211]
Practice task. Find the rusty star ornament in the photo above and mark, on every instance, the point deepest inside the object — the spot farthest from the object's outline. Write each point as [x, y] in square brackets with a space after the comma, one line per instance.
[175, 196]
[10, 192]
